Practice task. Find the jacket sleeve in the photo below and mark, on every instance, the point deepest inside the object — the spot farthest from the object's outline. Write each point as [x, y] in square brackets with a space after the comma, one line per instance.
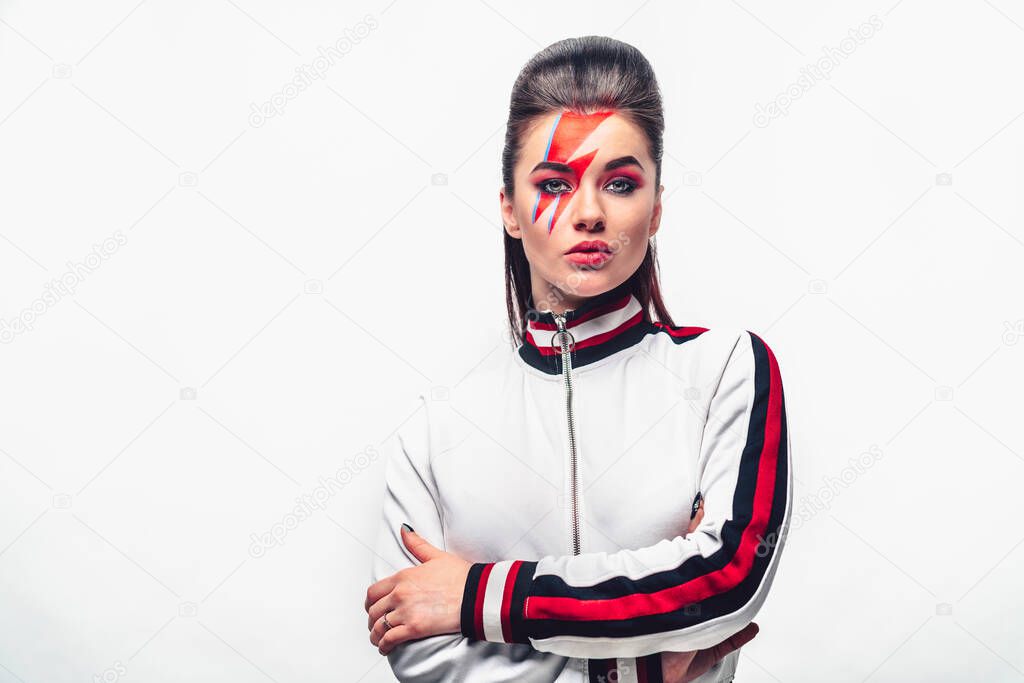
[685, 593]
[411, 496]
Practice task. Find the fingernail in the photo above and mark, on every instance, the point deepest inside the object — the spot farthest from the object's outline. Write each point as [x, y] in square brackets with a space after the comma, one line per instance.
[408, 527]
[696, 505]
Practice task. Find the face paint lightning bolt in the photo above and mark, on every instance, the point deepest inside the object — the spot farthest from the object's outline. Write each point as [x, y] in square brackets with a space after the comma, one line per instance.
[568, 132]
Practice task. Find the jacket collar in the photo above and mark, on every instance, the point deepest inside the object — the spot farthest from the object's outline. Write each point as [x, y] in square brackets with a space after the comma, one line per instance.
[602, 325]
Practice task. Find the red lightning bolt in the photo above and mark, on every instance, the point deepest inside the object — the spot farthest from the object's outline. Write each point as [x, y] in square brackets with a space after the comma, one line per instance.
[567, 134]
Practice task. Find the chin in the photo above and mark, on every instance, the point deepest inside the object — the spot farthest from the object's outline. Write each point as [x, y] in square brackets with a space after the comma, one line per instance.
[584, 282]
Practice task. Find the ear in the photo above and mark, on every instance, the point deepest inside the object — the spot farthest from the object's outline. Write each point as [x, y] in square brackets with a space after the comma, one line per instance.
[508, 215]
[656, 215]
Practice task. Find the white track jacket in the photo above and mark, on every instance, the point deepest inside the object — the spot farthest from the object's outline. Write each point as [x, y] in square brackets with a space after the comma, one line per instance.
[567, 472]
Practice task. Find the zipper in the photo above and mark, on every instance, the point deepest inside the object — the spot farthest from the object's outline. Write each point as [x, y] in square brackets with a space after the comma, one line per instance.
[564, 337]
[566, 349]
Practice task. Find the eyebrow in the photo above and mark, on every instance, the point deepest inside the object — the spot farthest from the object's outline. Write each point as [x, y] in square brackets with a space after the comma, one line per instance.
[611, 165]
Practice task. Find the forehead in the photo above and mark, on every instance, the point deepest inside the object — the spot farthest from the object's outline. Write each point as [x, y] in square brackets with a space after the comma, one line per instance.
[612, 135]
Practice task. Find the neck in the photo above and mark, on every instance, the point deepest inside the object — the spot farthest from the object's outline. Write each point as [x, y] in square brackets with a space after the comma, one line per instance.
[600, 325]
[553, 300]
[548, 298]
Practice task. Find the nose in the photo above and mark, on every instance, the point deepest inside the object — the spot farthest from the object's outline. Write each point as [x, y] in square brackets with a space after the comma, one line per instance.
[586, 212]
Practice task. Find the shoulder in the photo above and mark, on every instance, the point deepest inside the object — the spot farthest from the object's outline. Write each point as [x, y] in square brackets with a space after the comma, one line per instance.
[715, 336]
[696, 342]
[713, 350]
[438, 415]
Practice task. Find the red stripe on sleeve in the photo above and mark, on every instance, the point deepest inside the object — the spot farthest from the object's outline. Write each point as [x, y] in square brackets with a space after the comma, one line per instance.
[700, 587]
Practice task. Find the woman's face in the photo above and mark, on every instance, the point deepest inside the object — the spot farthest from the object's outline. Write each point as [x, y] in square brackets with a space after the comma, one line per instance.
[578, 179]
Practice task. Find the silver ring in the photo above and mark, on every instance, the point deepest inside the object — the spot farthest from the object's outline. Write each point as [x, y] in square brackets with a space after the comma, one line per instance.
[386, 624]
[572, 341]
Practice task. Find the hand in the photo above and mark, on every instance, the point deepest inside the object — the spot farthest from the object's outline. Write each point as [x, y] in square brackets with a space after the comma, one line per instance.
[683, 667]
[420, 601]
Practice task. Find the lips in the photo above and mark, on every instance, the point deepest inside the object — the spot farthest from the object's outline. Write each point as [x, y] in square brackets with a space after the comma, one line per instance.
[590, 246]
[590, 253]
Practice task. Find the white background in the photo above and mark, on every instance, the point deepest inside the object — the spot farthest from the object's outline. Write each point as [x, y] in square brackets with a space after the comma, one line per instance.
[283, 289]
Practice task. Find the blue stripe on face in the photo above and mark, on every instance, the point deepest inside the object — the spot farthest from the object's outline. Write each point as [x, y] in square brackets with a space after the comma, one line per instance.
[554, 209]
[547, 150]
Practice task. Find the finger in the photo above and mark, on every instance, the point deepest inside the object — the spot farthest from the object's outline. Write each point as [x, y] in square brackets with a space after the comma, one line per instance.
[695, 522]
[380, 629]
[394, 636]
[380, 608]
[418, 545]
[746, 634]
[698, 500]
[378, 590]
[707, 658]
[735, 641]
[675, 664]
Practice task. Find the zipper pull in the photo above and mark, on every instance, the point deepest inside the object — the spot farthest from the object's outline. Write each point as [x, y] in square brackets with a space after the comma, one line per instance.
[563, 333]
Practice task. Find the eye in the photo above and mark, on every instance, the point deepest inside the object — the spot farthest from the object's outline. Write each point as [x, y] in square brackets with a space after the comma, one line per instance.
[622, 186]
[554, 186]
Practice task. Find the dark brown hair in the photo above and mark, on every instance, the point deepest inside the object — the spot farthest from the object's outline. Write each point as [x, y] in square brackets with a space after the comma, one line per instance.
[582, 75]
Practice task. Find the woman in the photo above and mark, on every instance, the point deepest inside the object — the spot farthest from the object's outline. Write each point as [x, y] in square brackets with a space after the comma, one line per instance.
[609, 501]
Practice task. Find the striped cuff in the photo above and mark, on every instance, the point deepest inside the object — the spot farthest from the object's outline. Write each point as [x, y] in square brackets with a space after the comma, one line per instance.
[494, 600]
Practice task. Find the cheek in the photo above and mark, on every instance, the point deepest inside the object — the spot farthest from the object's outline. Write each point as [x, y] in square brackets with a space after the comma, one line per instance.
[632, 216]
[523, 207]
[529, 205]
[547, 209]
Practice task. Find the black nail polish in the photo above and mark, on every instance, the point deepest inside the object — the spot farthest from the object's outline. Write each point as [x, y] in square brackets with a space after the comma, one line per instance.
[408, 527]
[696, 505]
